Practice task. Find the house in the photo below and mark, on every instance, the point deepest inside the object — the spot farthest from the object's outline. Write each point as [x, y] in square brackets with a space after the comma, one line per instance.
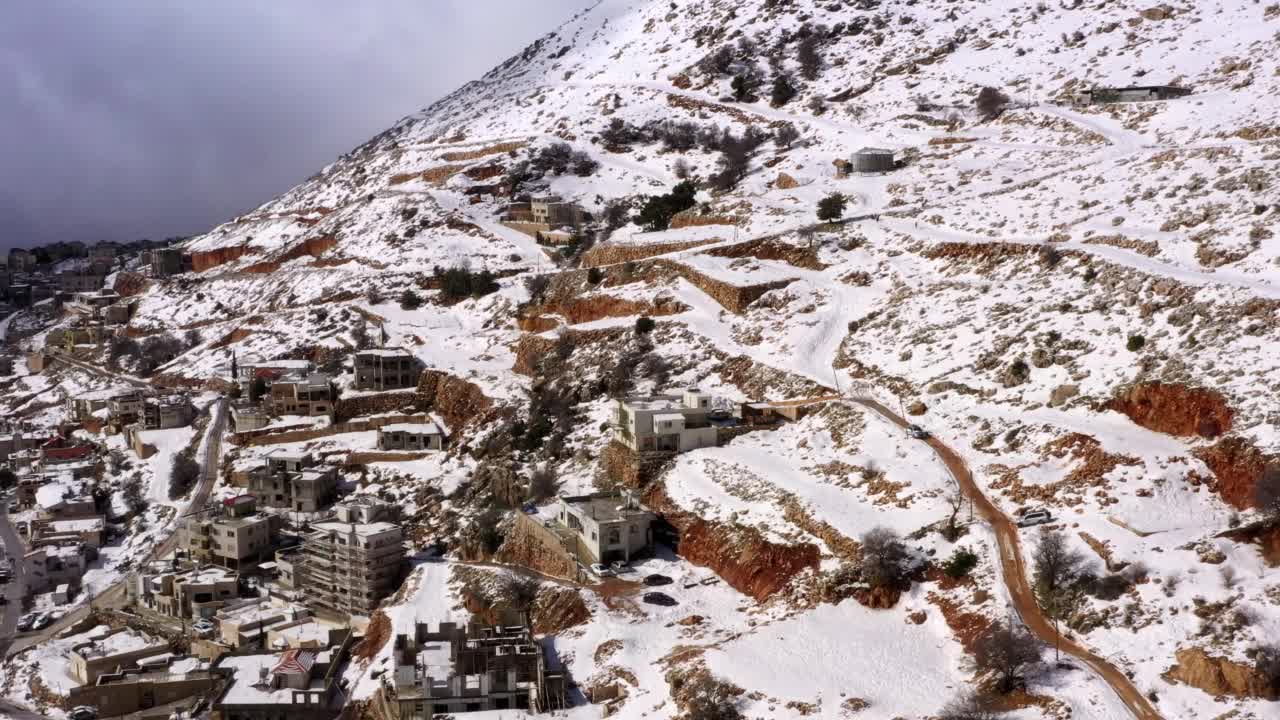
[554, 211]
[239, 538]
[49, 566]
[351, 563]
[187, 592]
[872, 160]
[294, 685]
[250, 624]
[386, 369]
[166, 261]
[292, 481]
[246, 416]
[410, 436]
[606, 527]
[456, 670]
[122, 649]
[90, 532]
[673, 423]
[22, 261]
[268, 371]
[167, 412]
[79, 281]
[63, 498]
[309, 394]
[1133, 93]
[92, 304]
[138, 689]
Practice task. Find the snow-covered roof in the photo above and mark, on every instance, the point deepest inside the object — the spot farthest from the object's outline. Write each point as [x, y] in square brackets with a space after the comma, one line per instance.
[428, 428]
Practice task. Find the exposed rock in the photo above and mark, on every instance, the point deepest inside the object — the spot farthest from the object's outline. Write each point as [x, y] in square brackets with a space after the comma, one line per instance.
[1237, 465]
[610, 254]
[785, 182]
[917, 408]
[1062, 394]
[1159, 12]
[1174, 409]
[1220, 676]
[1015, 373]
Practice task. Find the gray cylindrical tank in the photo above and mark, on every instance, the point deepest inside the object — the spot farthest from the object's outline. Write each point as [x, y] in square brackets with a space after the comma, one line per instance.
[873, 160]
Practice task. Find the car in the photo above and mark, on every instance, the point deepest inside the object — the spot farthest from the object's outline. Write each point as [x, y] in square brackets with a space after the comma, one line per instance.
[618, 567]
[915, 432]
[657, 598]
[43, 621]
[656, 580]
[83, 712]
[13, 507]
[602, 571]
[1037, 516]
[26, 622]
[202, 627]
[720, 414]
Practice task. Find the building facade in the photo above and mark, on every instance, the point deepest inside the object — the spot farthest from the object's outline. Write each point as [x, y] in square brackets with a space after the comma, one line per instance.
[606, 527]
[668, 423]
[240, 537]
[386, 369]
[410, 436]
[351, 563]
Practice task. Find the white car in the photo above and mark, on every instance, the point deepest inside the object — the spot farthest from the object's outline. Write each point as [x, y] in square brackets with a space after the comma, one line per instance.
[601, 570]
[83, 712]
[1038, 516]
[202, 627]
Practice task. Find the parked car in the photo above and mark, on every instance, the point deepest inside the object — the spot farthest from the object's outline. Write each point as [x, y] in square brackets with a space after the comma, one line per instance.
[656, 580]
[26, 622]
[203, 627]
[1037, 516]
[43, 621]
[618, 567]
[83, 712]
[601, 570]
[915, 432]
[657, 598]
[720, 414]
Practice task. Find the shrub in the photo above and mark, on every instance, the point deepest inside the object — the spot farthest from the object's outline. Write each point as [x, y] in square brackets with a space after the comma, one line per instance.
[7, 478]
[817, 105]
[786, 135]
[831, 207]
[717, 62]
[595, 276]
[1005, 650]
[184, 473]
[884, 558]
[990, 103]
[618, 134]
[1135, 343]
[746, 85]
[644, 325]
[658, 209]
[809, 57]
[783, 91]
[542, 483]
[970, 706]
[458, 282]
[960, 563]
[410, 300]
[681, 169]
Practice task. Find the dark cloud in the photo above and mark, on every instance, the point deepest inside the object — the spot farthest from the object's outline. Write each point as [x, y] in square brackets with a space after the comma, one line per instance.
[147, 118]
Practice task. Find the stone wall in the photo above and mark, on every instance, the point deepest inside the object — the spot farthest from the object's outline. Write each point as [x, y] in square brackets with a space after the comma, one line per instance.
[624, 468]
[530, 545]
[610, 254]
[207, 259]
[734, 298]
[457, 401]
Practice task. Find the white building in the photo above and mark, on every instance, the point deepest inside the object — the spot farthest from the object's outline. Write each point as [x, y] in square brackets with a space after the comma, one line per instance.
[676, 423]
[608, 526]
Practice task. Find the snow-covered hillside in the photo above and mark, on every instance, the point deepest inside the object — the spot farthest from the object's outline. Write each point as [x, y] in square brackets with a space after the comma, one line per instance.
[1081, 301]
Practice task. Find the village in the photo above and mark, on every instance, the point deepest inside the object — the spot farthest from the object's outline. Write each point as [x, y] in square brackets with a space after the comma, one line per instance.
[577, 403]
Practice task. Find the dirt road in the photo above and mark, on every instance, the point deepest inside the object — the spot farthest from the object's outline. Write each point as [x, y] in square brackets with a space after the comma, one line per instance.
[1015, 575]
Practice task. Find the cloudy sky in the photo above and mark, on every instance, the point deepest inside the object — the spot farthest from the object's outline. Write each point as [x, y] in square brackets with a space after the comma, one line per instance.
[122, 119]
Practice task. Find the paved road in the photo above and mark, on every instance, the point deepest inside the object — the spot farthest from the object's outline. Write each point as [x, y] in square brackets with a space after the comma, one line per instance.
[14, 591]
[114, 596]
[1015, 574]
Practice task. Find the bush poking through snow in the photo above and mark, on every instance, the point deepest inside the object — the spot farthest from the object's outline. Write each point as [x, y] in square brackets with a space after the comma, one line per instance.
[183, 475]
[1135, 343]
[969, 705]
[961, 562]
[410, 300]
[831, 207]
[884, 558]
[658, 209]
[990, 103]
[644, 325]
[1266, 494]
[1005, 650]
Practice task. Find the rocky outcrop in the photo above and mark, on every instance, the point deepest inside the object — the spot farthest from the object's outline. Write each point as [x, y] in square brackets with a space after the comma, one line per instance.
[1174, 409]
[734, 298]
[597, 307]
[128, 284]
[624, 468]
[494, 149]
[313, 246]
[1237, 465]
[1062, 394]
[740, 555]
[530, 545]
[208, 259]
[1220, 676]
[454, 399]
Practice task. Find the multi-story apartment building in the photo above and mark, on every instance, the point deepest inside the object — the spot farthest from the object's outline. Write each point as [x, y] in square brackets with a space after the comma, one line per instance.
[386, 369]
[293, 481]
[240, 537]
[308, 394]
[351, 563]
[456, 670]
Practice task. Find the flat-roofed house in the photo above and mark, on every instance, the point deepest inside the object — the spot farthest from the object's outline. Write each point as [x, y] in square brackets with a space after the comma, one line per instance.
[410, 436]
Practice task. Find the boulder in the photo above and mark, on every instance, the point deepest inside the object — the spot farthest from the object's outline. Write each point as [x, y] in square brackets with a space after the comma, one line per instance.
[1062, 394]
[917, 408]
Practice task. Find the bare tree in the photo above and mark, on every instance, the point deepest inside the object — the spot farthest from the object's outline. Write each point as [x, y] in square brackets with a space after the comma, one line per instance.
[969, 705]
[521, 592]
[1055, 562]
[542, 483]
[1005, 650]
[884, 558]
[786, 135]
[955, 501]
[1267, 493]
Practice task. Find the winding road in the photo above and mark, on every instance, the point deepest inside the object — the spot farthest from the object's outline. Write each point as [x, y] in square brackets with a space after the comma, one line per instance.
[1014, 572]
